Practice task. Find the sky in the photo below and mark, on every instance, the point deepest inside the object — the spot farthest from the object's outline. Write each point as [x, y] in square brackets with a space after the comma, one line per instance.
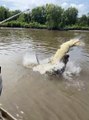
[81, 5]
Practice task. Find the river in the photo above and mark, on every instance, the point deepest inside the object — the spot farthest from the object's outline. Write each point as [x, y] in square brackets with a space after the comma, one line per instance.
[29, 95]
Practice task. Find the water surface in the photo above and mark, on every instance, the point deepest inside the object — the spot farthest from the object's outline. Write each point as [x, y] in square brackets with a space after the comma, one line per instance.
[27, 94]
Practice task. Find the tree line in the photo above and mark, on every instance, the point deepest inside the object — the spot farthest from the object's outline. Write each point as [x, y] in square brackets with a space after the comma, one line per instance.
[49, 16]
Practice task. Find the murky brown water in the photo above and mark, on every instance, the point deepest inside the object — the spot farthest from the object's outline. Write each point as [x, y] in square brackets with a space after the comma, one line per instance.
[28, 95]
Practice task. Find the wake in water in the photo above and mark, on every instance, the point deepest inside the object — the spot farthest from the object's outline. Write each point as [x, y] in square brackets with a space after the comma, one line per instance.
[57, 62]
[29, 60]
[72, 69]
[48, 67]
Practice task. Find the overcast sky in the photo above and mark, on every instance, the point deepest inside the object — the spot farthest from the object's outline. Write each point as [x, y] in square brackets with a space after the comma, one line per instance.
[81, 5]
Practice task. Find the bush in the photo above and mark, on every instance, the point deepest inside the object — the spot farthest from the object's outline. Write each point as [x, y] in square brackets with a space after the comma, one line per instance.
[23, 24]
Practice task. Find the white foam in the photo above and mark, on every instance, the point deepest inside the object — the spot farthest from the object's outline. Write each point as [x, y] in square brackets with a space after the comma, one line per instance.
[43, 68]
[71, 70]
[29, 60]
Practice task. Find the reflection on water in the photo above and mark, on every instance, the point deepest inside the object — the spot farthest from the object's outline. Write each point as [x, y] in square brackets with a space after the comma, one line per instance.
[30, 95]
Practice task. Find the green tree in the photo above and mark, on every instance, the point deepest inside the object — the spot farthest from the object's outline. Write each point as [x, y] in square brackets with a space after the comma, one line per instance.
[88, 19]
[14, 13]
[21, 18]
[38, 14]
[53, 16]
[4, 13]
[70, 16]
[83, 20]
[27, 17]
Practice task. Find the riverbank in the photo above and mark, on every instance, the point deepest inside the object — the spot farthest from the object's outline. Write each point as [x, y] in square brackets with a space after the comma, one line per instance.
[35, 25]
[23, 25]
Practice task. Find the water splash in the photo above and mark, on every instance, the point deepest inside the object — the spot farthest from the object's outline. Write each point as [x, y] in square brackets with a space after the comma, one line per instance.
[48, 68]
[29, 60]
[72, 70]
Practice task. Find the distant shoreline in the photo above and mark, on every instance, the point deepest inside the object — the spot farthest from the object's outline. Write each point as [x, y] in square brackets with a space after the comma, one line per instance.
[48, 16]
[64, 29]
